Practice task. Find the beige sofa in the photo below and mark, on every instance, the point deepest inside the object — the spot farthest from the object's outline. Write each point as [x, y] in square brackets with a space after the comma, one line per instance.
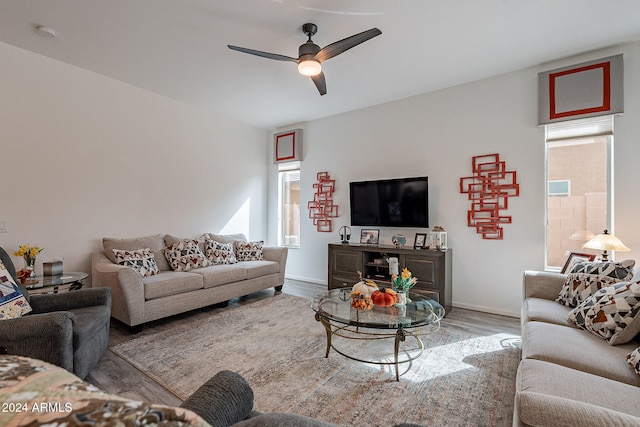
[137, 300]
[568, 376]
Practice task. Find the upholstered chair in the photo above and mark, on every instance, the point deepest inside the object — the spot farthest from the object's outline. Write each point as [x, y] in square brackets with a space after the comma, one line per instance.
[70, 330]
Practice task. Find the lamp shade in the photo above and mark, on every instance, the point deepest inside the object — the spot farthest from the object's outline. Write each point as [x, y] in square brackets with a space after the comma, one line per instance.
[606, 242]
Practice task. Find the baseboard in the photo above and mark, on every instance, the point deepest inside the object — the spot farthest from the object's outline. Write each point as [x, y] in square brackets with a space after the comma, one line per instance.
[490, 310]
[306, 279]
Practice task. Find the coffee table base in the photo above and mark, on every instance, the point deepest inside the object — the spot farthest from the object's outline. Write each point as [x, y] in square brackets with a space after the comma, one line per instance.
[399, 335]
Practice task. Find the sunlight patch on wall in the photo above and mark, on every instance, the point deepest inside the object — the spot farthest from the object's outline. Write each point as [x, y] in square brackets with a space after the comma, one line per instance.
[240, 221]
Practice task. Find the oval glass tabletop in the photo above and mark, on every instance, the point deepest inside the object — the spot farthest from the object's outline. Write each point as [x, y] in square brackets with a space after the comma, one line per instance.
[71, 277]
[335, 305]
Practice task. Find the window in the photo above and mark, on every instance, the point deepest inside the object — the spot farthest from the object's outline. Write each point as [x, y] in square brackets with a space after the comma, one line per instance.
[579, 185]
[289, 204]
[560, 188]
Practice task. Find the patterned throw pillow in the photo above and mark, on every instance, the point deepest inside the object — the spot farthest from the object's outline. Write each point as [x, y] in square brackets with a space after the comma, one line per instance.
[185, 255]
[634, 360]
[141, 260]
[580, 286]
[219, 253]
[249, 251]
[622, 270]
[12, 303]
[611, 313]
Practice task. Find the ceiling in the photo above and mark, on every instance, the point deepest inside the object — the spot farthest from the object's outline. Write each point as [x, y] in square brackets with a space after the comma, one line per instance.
[178, 48]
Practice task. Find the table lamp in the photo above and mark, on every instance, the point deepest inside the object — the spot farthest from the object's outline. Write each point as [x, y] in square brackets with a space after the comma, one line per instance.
[606, 242]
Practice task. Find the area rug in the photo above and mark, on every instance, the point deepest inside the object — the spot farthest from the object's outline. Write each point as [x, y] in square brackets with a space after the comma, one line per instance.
[461, 379]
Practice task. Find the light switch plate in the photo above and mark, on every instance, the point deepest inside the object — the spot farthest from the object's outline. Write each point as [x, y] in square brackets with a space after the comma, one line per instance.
[3, 226]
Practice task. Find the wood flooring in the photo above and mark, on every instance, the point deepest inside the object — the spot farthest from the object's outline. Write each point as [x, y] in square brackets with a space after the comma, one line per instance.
[114, 375]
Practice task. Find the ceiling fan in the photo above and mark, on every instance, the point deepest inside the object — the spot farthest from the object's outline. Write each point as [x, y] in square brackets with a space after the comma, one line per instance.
[310, 56]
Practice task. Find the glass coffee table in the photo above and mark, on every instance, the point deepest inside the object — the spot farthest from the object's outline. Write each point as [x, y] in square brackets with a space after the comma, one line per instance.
[333, 309]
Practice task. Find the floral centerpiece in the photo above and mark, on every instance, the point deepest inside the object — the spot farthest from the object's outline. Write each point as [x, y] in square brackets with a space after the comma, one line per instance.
[401, 284]
[28, 253]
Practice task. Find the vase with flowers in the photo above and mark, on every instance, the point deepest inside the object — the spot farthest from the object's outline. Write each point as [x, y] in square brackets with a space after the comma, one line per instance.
[401, 284]
[28, 253]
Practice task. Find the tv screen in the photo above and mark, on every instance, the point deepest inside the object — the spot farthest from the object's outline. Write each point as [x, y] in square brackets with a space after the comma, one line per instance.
[390, 203]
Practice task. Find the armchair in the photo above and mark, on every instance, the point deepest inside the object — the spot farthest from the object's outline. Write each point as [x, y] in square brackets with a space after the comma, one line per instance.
[70, 330]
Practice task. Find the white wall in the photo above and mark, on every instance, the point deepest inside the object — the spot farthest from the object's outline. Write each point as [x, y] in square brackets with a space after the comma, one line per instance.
[436, 134]
[84, 156]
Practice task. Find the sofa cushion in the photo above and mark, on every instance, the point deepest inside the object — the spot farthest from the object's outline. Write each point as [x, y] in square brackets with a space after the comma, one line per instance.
[12, 302]
[185, 255]
[549, 394]
[260, 268]
[216, 275]
[219, 253]
[155, 243]
[622, 270]
[141, 260]
[249, 251]
[611, 313]
[577, 349]
[226, 238]
[634, 360]
[170, 283]
[544, 310]
[580, 286]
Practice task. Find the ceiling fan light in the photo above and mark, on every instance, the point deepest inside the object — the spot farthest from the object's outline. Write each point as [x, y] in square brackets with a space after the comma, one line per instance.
[309, 67]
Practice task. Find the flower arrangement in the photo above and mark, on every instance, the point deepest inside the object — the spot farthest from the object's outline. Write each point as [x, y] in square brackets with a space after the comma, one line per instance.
[404, 282]
[28, 253]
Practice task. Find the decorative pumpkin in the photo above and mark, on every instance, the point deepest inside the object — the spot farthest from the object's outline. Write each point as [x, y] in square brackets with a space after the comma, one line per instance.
[361, 302]
[365, 287]
[384, 297]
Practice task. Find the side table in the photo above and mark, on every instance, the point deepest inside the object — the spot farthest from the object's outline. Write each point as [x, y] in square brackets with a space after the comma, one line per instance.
[65, 282]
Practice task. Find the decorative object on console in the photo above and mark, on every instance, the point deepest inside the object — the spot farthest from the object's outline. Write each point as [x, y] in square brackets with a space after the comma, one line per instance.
[439, 238]
[321, 208]
[288, 146]
[606, 242]
[369, 236]
[489, 189]
[28, 253]
[393, 266]
[399, 240]
[575, 258]
[345, 234]
[52, 268]
[420, 241]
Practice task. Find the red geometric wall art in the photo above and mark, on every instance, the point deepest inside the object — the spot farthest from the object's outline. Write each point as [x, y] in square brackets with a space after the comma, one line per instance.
[489, 190]
[321, 208]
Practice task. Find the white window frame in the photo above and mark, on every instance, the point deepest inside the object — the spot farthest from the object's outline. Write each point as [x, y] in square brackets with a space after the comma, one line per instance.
[283, 170]
[574, 132]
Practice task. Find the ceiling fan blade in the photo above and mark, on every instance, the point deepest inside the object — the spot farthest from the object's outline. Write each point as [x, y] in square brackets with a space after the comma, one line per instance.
[320, 82]
[263, 54]
[340, 46]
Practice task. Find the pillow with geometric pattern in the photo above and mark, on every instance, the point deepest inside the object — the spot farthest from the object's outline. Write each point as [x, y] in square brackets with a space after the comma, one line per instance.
[634, 360]
[622, 270]
[249, 251]
[580, 286]
[185, 255]
[611, 313]
[141, 260]
[12, 303]
[219, 253]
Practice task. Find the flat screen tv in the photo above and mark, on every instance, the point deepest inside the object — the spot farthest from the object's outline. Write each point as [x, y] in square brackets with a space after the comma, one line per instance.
[402, 202]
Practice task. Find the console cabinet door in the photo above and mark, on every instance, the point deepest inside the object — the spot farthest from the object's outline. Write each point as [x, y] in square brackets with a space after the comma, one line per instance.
[344, 264]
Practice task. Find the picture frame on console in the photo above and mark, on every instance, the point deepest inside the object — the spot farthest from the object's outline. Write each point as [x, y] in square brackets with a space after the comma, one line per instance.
[574, 258]
[420, 240]
[369, 236]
